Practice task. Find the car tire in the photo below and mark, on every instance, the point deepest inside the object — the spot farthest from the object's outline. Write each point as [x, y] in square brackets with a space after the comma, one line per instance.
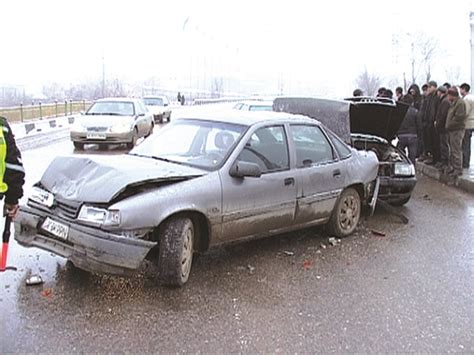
[346, 214]
[169, 117]
[151, 130]
[78, 146]
[400, 202]
[134, 139]
[175, 254]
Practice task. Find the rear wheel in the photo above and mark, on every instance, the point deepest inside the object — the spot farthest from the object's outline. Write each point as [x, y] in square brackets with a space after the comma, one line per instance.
[134, 139]
[78, 146]
[176, 251]
[346, 214]
[169, 117]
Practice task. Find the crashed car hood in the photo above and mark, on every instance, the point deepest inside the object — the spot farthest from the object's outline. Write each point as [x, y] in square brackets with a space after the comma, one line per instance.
[380, 118]
[100, 179]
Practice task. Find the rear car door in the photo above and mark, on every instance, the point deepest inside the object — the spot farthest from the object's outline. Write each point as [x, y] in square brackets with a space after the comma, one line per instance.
[320, 173]
[258, 206]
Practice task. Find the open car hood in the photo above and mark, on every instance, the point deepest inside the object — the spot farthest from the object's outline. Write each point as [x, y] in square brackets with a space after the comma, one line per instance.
[380, 117]
[102, 179]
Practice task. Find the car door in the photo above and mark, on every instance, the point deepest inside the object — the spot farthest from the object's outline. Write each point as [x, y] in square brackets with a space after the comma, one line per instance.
[320, 173]
[257, 206]
[142, 124]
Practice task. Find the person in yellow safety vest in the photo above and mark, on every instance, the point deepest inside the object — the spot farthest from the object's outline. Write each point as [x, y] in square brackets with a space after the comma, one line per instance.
[12, 173]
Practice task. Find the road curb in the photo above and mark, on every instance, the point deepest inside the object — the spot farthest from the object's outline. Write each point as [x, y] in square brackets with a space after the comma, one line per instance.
[464, 182]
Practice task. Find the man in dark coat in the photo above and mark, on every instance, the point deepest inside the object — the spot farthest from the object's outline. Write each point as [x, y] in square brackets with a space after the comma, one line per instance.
[455, 125]
[408, 131]
[430, 136]
[440, 125]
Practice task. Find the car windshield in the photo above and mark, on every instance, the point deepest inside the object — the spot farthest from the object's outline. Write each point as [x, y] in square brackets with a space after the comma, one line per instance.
[260, 108]
[113, 108]
[153, 101]
[202, 144]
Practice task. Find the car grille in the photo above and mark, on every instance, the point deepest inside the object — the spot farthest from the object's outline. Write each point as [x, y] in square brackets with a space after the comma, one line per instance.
[68, 209]
[97, 129]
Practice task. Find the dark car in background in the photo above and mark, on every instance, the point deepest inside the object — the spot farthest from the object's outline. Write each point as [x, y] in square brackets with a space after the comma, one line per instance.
[367, 123]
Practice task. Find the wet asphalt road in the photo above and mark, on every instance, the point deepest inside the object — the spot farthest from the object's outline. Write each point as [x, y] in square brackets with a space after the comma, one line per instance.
[410, 290]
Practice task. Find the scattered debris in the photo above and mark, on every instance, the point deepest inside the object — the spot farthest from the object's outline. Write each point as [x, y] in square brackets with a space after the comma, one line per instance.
[307, 264]
[427, 197]
[378, 233]
[288, 253]
[334, 241]
[318, 251]
[34, 280]
[323, 245]
[47, 292]
[251, 268]
[318, 277]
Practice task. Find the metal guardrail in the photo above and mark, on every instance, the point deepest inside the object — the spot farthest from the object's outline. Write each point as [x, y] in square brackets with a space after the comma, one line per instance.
[24, 113]
[219, 100]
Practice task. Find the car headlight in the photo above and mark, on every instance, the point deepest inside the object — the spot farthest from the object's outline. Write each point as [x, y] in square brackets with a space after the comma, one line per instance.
[77, 127]
[120, 128]
[41, 196]
[99, 216]
[404, 169]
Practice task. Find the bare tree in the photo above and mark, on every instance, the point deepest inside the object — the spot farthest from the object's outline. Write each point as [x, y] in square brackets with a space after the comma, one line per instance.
[368, 83]
[424, 51]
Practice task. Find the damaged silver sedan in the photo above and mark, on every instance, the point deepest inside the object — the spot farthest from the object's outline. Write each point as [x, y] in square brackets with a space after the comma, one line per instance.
[197, 183]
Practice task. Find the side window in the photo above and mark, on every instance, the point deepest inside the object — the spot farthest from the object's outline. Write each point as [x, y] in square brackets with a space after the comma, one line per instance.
[342, 149]
[268, 148]
[311, 145]
[244, 107]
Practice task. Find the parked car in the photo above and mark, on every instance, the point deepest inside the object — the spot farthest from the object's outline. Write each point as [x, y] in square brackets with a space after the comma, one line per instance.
[112, 121]
[254, 106]
[367, 123]
[159, 106]
[197, 183]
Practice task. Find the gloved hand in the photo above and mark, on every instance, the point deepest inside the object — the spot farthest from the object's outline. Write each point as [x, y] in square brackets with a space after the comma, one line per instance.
[10, 210]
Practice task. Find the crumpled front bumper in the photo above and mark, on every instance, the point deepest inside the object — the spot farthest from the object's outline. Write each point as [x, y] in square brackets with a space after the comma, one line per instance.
[87, 248]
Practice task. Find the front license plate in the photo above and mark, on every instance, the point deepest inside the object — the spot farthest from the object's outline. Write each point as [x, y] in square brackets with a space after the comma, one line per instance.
[55, 228]
[96, 136]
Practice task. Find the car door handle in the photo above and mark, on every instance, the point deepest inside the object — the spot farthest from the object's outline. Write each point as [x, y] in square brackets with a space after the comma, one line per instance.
[336, 173]
[289, 181]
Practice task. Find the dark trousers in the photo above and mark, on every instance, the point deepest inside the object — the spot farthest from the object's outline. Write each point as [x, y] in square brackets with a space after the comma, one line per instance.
[427, 146]
[455, 145]
[466, 148]
[444, 148]
[409, 141]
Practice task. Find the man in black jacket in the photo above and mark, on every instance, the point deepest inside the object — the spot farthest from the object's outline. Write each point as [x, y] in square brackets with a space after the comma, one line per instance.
[440, 125]
[12, 173]
[430, 136]
[407, 133]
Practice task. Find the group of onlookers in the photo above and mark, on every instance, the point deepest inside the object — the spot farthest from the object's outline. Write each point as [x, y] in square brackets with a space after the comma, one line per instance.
[438, 125]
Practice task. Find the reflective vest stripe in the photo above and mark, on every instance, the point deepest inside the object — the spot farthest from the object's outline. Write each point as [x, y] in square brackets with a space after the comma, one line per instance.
[3, 156]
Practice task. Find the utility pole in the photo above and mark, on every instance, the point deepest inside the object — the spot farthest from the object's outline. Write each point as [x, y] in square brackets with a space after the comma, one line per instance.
[103, 76]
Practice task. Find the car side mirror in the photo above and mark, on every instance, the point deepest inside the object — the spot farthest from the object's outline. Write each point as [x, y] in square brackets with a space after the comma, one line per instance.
[165, 105]
[242, 169]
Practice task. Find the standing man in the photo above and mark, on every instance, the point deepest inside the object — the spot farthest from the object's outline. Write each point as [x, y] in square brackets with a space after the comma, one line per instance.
[399, 93]
[455, 124]
[430, 136]
[12, 174]
[466, 142]
[440, 125]
[407, 133]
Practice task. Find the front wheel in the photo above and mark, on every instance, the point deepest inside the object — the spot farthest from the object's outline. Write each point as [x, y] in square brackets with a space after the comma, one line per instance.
[78, 146]
[176, 251]
[134, 139]
[346, 214]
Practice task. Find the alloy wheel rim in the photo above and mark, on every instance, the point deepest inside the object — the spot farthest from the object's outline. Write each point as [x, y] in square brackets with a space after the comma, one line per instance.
[349, 213]
[187, 255]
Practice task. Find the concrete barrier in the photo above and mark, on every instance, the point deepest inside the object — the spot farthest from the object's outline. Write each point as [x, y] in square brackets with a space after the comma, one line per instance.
[31, 128]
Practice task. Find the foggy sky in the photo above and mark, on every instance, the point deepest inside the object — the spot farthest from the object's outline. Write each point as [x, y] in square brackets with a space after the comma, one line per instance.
[321, 45]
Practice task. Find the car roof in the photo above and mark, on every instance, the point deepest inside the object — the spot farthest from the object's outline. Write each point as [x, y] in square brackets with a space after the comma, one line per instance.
[256, 103]
[118, 99]
[247, 118]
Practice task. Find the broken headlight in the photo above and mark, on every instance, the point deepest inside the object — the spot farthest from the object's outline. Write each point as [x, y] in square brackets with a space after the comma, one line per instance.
[41, 196]
[404, 169]
[99, 216]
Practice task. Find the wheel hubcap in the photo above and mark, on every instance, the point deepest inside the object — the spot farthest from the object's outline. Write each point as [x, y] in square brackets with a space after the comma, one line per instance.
[349, 213]
[187, 255]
